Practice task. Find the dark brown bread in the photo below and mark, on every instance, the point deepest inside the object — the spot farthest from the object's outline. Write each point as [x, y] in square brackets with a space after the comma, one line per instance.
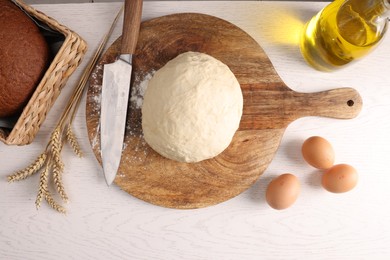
[24, 55]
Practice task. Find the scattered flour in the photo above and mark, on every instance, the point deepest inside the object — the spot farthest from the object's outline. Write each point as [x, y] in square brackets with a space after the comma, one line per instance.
[138, 90]
[98, 72]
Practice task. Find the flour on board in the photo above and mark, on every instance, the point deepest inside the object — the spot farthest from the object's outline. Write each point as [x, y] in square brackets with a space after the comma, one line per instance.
[138, 90]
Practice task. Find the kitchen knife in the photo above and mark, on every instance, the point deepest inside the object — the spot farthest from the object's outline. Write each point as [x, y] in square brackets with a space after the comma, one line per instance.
[115, 93]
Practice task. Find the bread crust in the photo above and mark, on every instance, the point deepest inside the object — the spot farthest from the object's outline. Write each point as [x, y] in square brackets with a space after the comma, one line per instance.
[24, 57]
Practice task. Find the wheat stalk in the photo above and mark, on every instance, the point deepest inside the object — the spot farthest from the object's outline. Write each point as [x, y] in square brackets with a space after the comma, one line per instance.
[29, 170]
[52, 154]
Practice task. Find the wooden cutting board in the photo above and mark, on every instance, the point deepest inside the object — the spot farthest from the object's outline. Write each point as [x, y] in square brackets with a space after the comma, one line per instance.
[269, 106]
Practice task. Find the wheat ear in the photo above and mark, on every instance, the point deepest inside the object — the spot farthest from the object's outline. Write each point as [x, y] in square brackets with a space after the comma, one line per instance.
[72, 140]
[56, 147]
[43, 181]
[58, 165]
[29, 170]
[57, 178]
[50, 200]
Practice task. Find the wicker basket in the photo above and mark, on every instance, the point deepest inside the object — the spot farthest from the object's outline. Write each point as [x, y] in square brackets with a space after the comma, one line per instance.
[62, 66]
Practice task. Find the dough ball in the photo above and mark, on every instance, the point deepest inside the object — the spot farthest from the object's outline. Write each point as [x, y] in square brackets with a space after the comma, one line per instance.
[192, 108]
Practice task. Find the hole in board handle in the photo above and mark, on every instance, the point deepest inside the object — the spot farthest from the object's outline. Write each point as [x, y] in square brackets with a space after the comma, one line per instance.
[350, 103]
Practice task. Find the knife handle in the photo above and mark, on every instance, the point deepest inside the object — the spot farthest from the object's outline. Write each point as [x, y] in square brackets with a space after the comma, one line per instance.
[131, 24]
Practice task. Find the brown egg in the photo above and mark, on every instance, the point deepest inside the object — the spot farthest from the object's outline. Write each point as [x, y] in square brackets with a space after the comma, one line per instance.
[340, 178]
[283, 191]
[318, 152]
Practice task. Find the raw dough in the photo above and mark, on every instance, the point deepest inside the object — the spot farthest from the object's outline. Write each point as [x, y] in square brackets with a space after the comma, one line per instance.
[192, 108]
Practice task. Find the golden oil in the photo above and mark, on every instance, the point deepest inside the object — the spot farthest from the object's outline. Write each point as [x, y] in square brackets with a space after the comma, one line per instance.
[344, 31]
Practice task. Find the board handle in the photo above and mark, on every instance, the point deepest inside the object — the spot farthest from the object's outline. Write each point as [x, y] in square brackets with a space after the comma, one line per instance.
[276, 109]
[342, 103]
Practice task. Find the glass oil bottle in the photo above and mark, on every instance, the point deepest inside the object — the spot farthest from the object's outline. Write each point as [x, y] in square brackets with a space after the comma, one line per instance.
[344, 31]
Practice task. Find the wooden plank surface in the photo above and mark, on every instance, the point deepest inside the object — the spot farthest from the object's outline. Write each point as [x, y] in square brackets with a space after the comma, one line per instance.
[107, 223]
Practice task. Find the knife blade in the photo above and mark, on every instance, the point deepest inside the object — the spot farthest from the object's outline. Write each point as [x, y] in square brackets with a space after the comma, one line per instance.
[115, 93]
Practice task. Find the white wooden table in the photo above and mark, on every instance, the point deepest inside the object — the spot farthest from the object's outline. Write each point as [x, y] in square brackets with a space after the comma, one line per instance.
[106, 223]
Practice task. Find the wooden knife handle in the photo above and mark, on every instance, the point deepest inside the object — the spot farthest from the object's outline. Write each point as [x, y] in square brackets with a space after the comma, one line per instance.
[131, 24]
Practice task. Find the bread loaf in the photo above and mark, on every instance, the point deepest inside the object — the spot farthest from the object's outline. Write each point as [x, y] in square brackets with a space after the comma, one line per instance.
[24, 57]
